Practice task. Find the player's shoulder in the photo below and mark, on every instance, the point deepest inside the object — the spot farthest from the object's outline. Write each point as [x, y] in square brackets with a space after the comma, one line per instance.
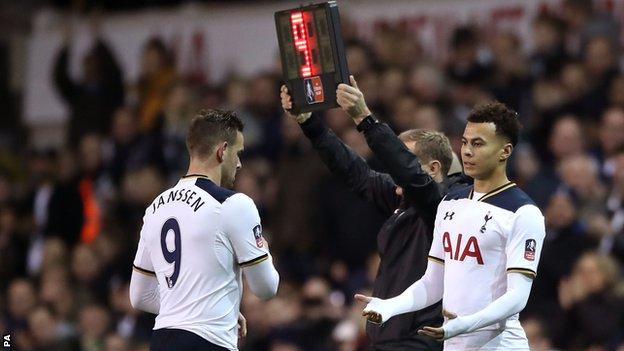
[512, 199]
[218, 193]
[239, 201]
[458, 192]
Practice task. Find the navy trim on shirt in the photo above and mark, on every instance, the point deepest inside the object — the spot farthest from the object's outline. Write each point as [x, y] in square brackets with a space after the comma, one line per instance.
[508, 196]
[218, 193]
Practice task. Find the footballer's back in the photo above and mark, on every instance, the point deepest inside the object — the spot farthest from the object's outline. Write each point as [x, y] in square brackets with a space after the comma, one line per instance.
[192, 242]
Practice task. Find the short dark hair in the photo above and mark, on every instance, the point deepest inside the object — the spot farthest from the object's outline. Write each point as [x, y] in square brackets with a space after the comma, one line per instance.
[504, 118]
[430, 146]
[210, 127]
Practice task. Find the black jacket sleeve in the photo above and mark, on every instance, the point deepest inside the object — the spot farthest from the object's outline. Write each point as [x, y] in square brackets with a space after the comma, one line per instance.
[419, 188]
[111, 72]
[375, 187]
[64, 84]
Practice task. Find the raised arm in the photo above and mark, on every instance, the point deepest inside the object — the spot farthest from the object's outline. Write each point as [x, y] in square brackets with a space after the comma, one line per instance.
[110, 69]
[404, 167]
[375, 187]
[62, 80]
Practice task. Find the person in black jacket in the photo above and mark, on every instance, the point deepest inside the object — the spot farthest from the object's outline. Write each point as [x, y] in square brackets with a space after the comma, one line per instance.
[93, 99]
[408, 196]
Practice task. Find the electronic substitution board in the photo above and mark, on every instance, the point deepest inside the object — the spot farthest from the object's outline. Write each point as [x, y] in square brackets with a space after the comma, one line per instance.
[313, 55]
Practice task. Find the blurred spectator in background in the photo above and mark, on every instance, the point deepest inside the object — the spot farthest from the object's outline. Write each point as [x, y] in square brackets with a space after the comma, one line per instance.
[21, 301]
[359, 58]
[464, 67]
[157, 76]
[129, 148]
[611, 140]
[584, 23]
[549, 52]
[615, 209]
[537, 180]
[566, 140]
[593, 304]
[266, 116]
[565, 242]
[115, 342]
[45, 335]
[508, 78]
[580, 176]
[92, 99]
[180, 104]
[54, 203]
[93, 324]
[13, 246]
[538, 334]
[428, 85]
[296, 165]
[600, 63]
[86, 270]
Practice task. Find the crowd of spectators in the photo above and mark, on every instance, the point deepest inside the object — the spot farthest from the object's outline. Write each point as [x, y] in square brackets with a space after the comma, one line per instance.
[70, 216]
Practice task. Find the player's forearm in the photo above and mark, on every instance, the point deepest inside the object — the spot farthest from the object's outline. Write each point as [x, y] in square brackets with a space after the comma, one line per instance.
[418, 187]
[263, 279]
[144, 294]
[510, 303]
[423, 293]
[337, 156]
[401, 163]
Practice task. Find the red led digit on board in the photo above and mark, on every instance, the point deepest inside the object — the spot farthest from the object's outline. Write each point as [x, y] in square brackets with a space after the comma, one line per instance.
[300, 37]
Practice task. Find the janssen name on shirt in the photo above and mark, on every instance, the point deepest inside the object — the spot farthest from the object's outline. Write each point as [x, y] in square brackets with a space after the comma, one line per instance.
[180, 195]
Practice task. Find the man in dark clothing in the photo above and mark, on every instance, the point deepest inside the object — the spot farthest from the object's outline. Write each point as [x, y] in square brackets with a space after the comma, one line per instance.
[93, 99]
[408, 196]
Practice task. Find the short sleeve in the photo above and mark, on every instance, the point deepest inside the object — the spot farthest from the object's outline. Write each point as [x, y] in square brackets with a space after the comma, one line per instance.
[436, 252]
[142, 261]
[241, 224]
[524, 245]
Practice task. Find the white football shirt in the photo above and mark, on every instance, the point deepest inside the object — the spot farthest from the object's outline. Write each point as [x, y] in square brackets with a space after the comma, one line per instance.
[196, 237]
[479, 241]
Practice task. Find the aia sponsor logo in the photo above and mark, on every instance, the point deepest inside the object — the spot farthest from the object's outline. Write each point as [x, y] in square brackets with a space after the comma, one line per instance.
[462, 249]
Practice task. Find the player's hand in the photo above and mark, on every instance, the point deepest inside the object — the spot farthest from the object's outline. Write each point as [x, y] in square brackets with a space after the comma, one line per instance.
[351, 99]
[375, 310]
[242, 326]
[446, 331]
[287, 105]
